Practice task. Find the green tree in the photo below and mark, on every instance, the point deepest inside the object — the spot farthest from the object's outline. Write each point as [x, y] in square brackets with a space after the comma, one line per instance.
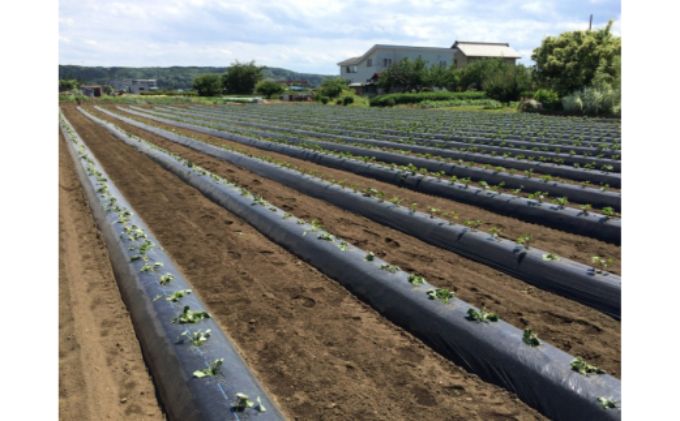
[441, 77]
[67, 84]
[404, 75]
[240, 78]
[473, 75]
[268, 88]
[572, 60]
[332, 87]
[507, 82]
[208, 85]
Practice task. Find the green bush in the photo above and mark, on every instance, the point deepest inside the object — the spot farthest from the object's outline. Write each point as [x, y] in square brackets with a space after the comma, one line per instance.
[268, 88]
[507, 82]
[572, 104]
[324, 99]
[208, 85]
[332, 87]
[548, 98]
[414, 98]
[593, 101]
[346, 100]
[338, 101]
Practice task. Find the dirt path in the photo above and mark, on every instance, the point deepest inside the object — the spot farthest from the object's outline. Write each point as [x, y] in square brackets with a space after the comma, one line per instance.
[576, 247]
[570, 326]
[323, 353]
[102, 375]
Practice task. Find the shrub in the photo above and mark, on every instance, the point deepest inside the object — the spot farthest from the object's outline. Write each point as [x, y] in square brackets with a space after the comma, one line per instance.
[268, 88]
[346, 100]
[506, 82]
[332, 87]
[414, 98]
[548, 98]
[572, 104]
[593, 101]
[208, 85]
[324, 99]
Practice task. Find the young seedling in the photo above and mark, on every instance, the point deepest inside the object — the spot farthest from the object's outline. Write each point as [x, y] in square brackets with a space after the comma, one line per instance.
[601, 264]
[178, 295]
[370, 256]
[189, 317]
[472, 223]
[585, 209]
[198, 337]
[416, 279]
[524, 240]
[561, 201]
[440, 294]
[390, 268]
[151, 267]
[495, 232]
[530, 338]
[166, 279]
[326, 236]
[243, 402]
[607, 403]
[343, 246]
[580, 365]
[550, 257]
[412, 208]
[212, 370]
[481, 316]
[608, 211]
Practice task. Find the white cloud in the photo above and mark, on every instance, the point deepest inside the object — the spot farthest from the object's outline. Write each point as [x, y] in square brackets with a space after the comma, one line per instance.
[302, 35]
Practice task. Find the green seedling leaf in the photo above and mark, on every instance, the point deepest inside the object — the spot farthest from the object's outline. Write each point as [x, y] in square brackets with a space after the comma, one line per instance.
[390, 268]
[260, 406]
[481, 315]
[530, 338]
[580, 365]
[178, 295]
[549, 257]
[325, 236]
[370, 256]
[198, 337]
[607, 403]
[416, 279]
[524, 240]
[212, 370]
[189, 316]
[440, 294]
[166, 279]
[243, 402]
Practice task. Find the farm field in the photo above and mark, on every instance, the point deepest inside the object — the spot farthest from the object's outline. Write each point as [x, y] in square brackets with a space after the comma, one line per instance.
[481, 214]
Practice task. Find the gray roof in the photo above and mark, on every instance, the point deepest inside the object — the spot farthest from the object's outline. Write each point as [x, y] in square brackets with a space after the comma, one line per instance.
[359, 59]
[486, 49]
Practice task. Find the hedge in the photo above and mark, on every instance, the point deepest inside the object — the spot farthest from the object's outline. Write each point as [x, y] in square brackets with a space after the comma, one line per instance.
[414, 98]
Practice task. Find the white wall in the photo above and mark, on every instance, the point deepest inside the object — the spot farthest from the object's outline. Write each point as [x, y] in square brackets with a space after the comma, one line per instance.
[431, 56]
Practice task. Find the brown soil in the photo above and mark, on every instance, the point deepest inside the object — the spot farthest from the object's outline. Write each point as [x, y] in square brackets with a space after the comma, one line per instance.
[102, 375]
[323, 353]
[570, 326]
[575, 247]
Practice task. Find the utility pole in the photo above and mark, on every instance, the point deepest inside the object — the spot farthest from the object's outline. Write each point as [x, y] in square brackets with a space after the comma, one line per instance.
[590, 25]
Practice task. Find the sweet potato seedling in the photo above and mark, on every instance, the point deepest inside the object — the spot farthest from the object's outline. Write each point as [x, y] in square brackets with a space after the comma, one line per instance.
[178, 295]
[530, 338]
[198, 337]
[582, 367]
[440, 294]
[166, 279]
[212, 370]
[481, 316]
[416, 279]
[189, 316]
[607, 403]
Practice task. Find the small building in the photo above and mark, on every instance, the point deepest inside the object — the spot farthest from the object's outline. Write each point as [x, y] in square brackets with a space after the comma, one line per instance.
[91, 90]
[134, 86]
[465, 52]
[365, 68]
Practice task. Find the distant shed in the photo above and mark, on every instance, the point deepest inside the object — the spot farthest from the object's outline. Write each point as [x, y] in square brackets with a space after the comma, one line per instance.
[92, 90]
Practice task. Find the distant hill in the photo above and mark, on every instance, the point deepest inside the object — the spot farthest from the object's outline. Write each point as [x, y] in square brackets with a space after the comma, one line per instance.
[176, 77]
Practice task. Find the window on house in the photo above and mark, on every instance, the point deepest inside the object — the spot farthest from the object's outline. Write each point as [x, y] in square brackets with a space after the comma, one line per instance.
[351, 69]
[369, 62]
[387, 62]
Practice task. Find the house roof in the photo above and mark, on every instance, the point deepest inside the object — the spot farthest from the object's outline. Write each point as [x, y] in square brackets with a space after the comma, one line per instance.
[359, 59]
[485, 49]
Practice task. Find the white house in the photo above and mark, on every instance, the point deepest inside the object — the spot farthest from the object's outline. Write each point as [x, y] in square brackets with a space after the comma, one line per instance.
[359, 70]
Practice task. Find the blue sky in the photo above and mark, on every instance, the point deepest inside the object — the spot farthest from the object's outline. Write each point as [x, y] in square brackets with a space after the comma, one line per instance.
[302, 35]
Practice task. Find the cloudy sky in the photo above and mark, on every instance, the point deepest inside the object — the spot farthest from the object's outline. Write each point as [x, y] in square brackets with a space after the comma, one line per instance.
[302, 35]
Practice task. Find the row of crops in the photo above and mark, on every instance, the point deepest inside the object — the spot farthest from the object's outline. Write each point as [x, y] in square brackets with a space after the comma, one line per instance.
[561, 174]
